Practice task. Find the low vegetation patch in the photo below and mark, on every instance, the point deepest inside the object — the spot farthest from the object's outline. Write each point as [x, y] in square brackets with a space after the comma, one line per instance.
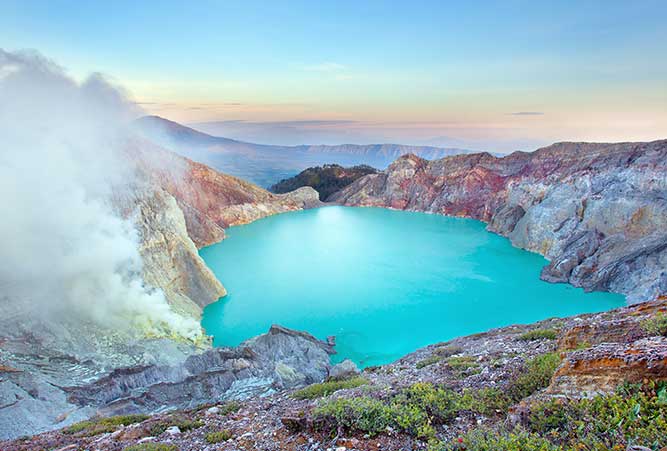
[229, 407]
[634, 416]
[217, 437]
[536, 375]
[414, 411]
[151, 447]
[539, 334]
[577, 347]
[463, 365]
[418, 409]
[326, 388]
[486, 401]
[183, 423]
[98, 426]
[448, 351]
[656, 325]
[427, 361]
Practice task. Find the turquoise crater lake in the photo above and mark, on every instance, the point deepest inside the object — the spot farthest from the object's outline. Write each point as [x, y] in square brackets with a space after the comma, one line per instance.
[383, 282]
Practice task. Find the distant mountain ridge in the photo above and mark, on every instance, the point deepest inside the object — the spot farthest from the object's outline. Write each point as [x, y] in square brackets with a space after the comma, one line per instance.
[265, 164]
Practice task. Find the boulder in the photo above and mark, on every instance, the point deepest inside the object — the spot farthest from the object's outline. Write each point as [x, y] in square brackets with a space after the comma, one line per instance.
[344, 370]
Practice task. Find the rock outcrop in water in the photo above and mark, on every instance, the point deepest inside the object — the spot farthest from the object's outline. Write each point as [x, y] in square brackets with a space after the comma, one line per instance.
[597, 212]
[326, 179]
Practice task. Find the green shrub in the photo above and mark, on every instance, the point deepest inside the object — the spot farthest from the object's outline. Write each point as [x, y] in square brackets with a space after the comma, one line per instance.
[486, 401]
[103, 425]
[463, 365]
[539, 334]
[427, 361]
[656, 325]
[151, 447]
[326, 388]
[183, 423]
[217, 437]
[635, 415]
[354, 414]
[413, 410]
[229, 407]
[536, 375]
[487, 439]
[448, 351]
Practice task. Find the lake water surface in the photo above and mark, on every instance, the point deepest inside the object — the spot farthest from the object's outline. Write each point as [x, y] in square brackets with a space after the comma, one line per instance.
[383, 282]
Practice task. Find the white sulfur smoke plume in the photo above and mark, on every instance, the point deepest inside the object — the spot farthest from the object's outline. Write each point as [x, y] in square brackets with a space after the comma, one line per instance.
[64, 249]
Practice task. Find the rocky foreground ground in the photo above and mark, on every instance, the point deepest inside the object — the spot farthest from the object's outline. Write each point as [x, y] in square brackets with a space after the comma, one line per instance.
[549, 385]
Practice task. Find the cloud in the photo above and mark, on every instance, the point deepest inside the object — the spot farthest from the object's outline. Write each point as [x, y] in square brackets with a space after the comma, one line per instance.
[67, 250]
[527, 113]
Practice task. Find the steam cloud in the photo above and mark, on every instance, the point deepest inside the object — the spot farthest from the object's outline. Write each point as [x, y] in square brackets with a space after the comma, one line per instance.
[65, 249]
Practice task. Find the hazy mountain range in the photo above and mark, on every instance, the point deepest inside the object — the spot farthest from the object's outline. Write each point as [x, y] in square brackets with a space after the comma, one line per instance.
[267, 164]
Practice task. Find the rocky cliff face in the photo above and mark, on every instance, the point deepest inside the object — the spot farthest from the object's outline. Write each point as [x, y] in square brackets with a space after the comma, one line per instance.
[212, 201]
[187, 205]
[597, 212]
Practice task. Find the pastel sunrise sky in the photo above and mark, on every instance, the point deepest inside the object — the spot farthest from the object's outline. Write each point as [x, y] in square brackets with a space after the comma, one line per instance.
[485, 75]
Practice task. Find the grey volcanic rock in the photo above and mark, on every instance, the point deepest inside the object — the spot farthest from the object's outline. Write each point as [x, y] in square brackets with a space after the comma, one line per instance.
[170, 258]
[597, 212]
[38, 359]
[277, 360]
[33, 401]
[343, 370]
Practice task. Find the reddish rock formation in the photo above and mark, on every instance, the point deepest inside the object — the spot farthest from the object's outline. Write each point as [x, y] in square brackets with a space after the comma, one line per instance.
[611, 328]
[604, 367]
[212, 201]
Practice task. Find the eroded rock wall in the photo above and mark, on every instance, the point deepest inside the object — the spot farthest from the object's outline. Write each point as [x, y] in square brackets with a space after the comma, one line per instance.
[186, 206]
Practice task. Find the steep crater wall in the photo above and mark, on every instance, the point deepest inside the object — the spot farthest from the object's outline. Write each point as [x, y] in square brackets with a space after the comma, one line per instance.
[597, 212]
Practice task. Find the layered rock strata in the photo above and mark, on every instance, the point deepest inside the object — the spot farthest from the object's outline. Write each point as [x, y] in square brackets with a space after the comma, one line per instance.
[69, 390]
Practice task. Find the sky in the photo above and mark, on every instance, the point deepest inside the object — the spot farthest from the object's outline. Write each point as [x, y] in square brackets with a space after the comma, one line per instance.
[485, 75]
